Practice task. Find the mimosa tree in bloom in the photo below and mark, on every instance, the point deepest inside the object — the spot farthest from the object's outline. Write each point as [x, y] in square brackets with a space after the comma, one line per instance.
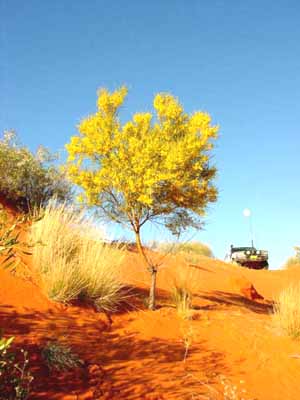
[153, 168]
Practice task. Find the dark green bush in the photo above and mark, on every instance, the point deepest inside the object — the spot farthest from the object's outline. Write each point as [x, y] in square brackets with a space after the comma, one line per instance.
[29, 180]
[60, 357]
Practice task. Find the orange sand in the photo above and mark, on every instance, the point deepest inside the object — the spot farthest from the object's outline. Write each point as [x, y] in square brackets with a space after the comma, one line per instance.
[142, 354]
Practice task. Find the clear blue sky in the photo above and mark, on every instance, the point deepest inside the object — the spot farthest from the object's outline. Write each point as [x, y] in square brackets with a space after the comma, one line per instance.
[238, 60]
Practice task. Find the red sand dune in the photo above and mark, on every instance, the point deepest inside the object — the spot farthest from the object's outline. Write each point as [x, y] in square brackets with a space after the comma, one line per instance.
[142, 354]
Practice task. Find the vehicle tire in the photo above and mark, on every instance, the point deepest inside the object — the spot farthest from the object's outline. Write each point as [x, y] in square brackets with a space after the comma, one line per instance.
[266, 265]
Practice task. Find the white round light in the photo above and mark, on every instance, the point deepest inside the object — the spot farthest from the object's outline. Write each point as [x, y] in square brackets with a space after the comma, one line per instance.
[247, 212]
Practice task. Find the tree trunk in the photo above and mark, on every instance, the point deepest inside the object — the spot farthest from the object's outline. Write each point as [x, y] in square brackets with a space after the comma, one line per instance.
[152, 289]
[140, 248]
[151, 269]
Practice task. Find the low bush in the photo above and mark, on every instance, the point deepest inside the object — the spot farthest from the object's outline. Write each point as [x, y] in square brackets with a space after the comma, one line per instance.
[28, 179]
[73, 260]
[15, 377]
[59, 357]
[287, 311]
[190, 251]
[293, 261]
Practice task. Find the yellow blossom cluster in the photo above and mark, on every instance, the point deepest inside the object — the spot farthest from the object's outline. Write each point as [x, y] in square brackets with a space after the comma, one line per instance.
[152, 162]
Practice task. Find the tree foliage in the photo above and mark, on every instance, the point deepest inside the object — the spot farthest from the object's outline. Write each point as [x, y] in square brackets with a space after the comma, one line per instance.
[28, 179]
[146, 169]
[151, 168]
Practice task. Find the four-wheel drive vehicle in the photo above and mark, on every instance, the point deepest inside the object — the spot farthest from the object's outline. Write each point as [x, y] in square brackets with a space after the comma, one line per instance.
[249, 257]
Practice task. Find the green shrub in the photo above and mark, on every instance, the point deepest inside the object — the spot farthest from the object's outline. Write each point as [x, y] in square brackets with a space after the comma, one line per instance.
[15, 378]
[60, 357]
[10, 244]
[73, 260]
[28, 179]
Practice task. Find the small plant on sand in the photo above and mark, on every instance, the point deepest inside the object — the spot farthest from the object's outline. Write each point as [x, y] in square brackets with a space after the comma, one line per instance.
[15, 378]
[228, 390]
[233, 391]
[73, 260]
[187, 338]
[182, 293]
[60, 357]
[10, 245]
[287, 311]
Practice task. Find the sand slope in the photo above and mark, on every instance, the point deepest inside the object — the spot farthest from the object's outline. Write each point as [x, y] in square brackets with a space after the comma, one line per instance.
[230, 345]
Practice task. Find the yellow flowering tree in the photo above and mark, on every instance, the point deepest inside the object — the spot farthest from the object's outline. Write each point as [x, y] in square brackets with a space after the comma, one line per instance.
[152, 168]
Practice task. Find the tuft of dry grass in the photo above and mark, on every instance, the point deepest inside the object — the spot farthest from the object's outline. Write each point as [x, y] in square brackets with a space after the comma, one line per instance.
[73, 260]
[182, 292]
[100, 268]
[287, 311]
[292, 262]
[182, 298]
[187, 338]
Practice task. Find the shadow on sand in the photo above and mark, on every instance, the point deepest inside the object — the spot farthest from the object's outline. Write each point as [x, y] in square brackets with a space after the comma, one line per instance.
[219, 299]
[134, 366]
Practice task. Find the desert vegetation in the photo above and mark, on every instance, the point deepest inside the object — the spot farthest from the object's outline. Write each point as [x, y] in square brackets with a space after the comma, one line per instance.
[59, 357]
[11, 245]
[287, 311]
[29, 180]
[149, 160]
[189, 250]
[155, 168]
[15, 376]
[183, 287]
[73, 260]
[294, 261]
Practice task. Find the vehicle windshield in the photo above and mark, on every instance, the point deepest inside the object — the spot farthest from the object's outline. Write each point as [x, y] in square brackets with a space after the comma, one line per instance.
[234, 249]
